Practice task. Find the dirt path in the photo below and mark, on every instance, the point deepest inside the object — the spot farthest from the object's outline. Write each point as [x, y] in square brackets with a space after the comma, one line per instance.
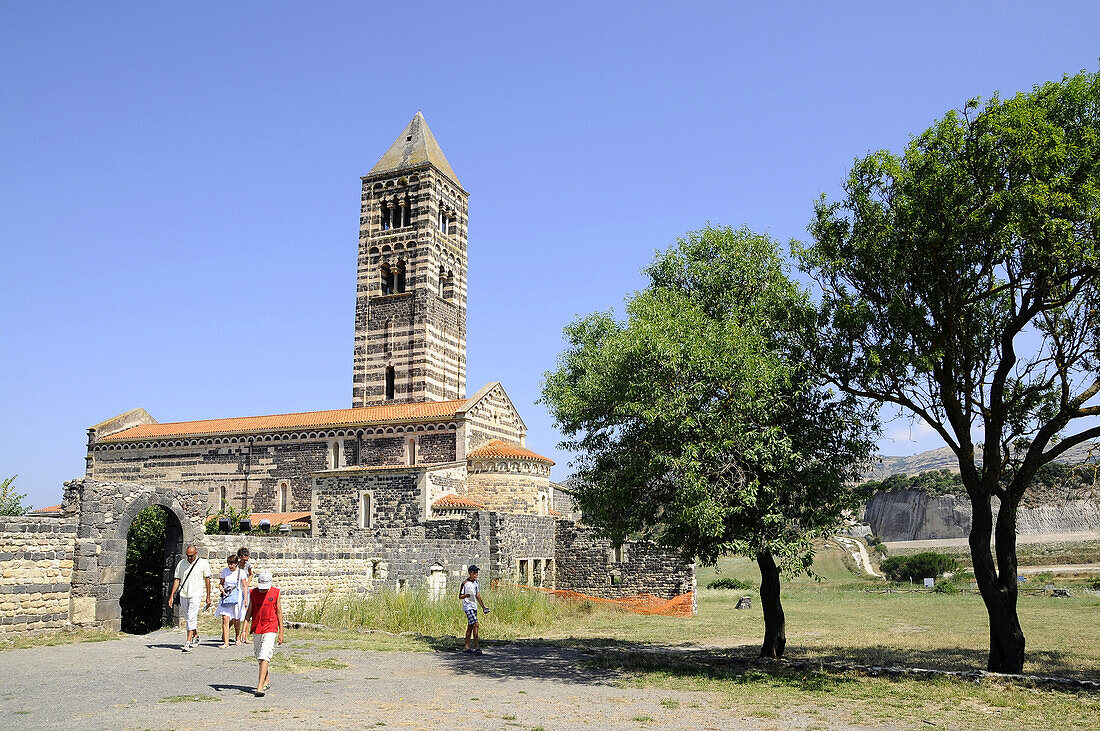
[146, 682]
[859, 554]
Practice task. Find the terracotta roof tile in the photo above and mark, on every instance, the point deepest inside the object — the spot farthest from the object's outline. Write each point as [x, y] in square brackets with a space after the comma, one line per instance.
[305, 519]
[554, 512]
[456, 501]
[51, 509]
[424, 411]
[498, 449]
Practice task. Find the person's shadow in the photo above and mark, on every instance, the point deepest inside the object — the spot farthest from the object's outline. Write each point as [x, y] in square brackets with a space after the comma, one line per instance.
[219, 687]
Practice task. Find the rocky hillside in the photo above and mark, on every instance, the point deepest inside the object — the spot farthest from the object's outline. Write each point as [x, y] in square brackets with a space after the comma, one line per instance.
[944, 459]
[920, 497]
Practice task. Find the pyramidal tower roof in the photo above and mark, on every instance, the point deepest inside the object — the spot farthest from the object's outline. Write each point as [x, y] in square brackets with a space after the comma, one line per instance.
[414, 147]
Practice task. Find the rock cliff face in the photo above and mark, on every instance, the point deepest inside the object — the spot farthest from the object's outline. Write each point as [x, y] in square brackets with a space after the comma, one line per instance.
[913, 515]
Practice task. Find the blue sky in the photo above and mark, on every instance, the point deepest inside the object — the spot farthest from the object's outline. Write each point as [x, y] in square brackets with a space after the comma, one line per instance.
[180, 184]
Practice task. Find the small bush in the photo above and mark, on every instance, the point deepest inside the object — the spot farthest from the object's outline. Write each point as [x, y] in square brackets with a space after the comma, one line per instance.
[1095, 586]
[947, 587]
[926, 565]
[872, 540]
[728, 582]
[881, 549]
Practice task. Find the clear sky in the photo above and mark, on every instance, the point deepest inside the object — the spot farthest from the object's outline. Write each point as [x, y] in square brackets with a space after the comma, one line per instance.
[179, 184]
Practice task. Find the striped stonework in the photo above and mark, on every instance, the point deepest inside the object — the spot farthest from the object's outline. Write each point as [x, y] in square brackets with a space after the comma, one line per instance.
[410, 310]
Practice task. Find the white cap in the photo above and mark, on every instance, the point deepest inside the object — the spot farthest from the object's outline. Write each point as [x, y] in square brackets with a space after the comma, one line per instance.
[263, 581]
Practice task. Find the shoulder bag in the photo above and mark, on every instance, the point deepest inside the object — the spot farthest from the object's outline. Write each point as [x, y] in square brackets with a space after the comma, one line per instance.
[179, 594]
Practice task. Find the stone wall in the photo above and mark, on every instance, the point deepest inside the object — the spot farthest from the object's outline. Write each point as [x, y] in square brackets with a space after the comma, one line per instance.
[396, 500]
[250, 473]
[519, 537]
[308, 569]
[586, 564]
[36, 566]
[510, 491]
[493, 417]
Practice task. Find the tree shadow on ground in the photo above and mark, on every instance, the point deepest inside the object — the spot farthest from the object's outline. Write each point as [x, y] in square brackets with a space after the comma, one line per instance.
[1039, 662]
[509, 661]
[605, 660]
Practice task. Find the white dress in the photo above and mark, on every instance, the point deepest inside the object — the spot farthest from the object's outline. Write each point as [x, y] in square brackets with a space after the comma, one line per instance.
[234, 611]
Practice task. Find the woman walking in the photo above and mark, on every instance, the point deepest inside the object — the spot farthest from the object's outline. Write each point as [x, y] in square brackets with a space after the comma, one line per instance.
[232, 606]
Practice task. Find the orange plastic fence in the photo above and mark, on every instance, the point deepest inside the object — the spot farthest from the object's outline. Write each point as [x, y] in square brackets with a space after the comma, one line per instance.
[678, 606]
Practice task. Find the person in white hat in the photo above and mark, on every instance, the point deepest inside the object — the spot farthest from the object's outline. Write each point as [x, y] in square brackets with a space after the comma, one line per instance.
[265, 618]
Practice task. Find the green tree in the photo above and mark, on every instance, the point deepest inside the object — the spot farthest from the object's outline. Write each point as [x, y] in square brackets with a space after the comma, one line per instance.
[11, 502]
[960, 283]
[143, 590]
[698, 422]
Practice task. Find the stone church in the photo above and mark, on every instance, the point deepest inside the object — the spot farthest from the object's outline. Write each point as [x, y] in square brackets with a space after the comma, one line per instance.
[405, 489]
[410, 419]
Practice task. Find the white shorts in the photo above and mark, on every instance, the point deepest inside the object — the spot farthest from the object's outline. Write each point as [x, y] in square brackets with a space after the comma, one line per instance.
[189, 607]
[264, 645]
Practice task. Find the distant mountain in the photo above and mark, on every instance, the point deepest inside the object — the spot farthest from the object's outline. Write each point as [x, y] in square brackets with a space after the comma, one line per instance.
[944, 459]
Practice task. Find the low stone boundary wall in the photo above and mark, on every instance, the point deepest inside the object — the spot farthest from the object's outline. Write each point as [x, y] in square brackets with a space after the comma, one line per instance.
[36, 566]
[592, 565]
[308, 569]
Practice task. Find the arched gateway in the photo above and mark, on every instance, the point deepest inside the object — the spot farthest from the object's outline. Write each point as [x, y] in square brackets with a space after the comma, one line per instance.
[104, 512]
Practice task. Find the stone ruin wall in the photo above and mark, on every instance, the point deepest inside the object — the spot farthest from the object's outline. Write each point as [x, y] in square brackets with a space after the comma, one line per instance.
[516, 538]
[308, 570]
[584, 563]
[36, 567]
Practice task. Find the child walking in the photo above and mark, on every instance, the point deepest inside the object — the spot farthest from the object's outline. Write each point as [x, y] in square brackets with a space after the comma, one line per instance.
[470, 594]
[265, 616]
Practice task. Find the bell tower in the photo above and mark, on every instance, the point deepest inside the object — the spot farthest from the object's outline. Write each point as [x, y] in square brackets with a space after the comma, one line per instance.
[410, 304]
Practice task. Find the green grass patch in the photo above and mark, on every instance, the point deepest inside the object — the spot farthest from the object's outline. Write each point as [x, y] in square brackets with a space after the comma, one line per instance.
[187, 698]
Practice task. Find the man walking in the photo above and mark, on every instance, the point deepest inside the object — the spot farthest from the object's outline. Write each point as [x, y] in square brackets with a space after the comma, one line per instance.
[191, 573]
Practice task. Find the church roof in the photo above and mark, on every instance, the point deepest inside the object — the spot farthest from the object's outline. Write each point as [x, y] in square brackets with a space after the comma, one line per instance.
[294, 520]
[422, 411]
[456, 501]
[499, 449]
[414, 147]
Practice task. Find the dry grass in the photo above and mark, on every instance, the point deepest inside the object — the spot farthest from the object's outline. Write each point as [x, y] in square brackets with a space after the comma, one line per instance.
[62, 637]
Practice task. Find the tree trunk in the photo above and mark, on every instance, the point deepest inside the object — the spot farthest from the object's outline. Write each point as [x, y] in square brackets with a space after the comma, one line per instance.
[775, 625]
[998, 588]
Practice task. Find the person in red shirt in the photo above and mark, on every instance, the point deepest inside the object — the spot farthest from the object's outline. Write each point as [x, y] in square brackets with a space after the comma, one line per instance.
[265, 618]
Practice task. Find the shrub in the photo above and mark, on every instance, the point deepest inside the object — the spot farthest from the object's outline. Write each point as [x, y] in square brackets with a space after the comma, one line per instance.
[947, 587]
[11, 502]
[926, 565]
[728, 582]
[1095, 585]
[227, 511]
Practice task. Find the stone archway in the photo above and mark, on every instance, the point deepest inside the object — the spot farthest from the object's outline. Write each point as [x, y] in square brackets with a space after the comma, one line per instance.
[104, 512]
[154, 545]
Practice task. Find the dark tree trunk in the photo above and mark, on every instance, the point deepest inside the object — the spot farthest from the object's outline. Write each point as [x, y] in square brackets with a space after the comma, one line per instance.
[775, 625]
[998, 588]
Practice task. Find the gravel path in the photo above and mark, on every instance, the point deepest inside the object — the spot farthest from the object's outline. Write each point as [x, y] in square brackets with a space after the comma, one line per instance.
[144, 681]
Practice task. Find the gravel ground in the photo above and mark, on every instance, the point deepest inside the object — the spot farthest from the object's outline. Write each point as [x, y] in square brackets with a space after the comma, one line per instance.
[144, 681]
